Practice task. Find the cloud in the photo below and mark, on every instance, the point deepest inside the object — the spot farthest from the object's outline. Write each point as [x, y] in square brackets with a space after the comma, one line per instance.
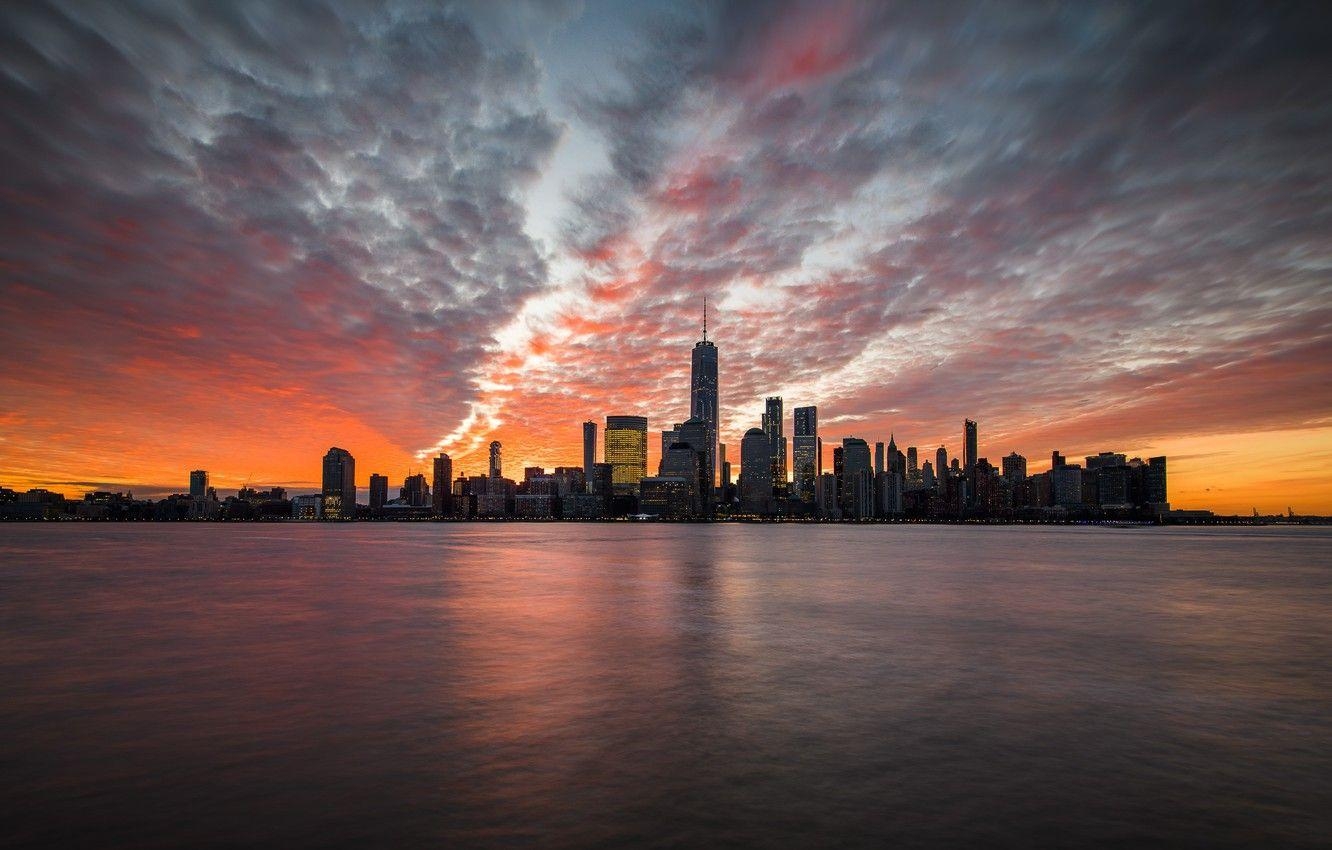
[1107, 217]
[232, 202]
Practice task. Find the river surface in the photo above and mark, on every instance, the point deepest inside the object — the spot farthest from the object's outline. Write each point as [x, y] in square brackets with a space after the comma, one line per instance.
[643, 685]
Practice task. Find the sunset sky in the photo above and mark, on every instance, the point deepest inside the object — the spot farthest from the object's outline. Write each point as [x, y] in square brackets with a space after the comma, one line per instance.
[235, 235]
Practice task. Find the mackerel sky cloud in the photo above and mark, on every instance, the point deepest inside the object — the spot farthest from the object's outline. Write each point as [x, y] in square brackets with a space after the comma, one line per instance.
[235, 234]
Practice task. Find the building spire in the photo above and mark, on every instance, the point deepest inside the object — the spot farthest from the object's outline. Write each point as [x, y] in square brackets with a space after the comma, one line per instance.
[705, 317]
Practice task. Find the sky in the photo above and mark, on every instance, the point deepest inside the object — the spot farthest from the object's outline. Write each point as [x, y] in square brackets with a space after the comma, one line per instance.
[233, 235]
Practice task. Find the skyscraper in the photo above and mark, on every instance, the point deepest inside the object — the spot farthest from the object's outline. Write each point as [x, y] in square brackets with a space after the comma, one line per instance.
[496, 460]
[878, 458]
[199, 484]
[681, 461]
[1154, 482]
[857, 496]
[808, 463]
[626, 450]
[969, 458]
[668, 439]
[339, 488]
[772, 426]
[969, 441]
[1015, 468]
[415, 492]
[589, 452]
[694, 433]
[442, 494]
[703, 396]
[378, 491]
[755, 471]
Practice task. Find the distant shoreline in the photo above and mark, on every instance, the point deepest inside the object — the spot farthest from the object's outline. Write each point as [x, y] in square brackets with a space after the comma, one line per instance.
[1106, 523]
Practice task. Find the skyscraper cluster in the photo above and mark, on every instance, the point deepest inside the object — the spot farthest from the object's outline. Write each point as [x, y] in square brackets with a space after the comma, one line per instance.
[693, 478]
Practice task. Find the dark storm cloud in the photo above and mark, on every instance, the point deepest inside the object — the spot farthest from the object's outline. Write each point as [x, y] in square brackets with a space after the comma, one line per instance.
[335, 186]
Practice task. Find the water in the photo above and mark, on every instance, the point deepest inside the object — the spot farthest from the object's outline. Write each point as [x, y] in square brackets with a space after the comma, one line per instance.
[413, 685]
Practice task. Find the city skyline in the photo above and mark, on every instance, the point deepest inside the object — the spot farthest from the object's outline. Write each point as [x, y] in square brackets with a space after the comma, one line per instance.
[237, 236]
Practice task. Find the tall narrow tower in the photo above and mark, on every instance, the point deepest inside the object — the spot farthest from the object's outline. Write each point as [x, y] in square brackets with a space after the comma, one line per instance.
[703, 402]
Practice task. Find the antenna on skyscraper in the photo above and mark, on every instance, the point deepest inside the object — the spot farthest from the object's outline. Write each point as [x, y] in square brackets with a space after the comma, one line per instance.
[705, 317]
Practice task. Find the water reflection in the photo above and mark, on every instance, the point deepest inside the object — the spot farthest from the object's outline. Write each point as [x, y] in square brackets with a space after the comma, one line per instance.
[584, 685]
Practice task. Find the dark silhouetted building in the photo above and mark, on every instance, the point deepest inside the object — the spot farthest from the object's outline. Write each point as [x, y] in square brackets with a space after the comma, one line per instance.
[694, 433]
[603, 484]
[755, 471]
[441, 491]
[496, 460]
[1015, 467]
[339, 490]
[378, 491]
[772, 426]
[941, 469]
[969, 458]
[681, 460]
[198, 484]
[415, 493]
[667, 496]
[807, 454]
[589, 452]
[704, 401]
[1066, 484]
[856, 498]
[1154, 483]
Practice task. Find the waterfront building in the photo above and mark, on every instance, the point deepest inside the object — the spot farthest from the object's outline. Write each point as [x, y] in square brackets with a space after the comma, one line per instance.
[589, 452]
[378, 491]
[669, 496]
[704, 397]
[534, 506]
[969, 458]
[492, 505]
[626, 451]
[694, 433]
[1015, 467]
[198, 484]
[856, 498]
[755, 471]
[1066, 484]
[681, 461]
[890, 489]
[441, 495]
[772, 427]
[1154, 483]
[415, 493]
[339, 484]
[496, 460]
[807, 454]
[307, 507]
[668, 439]
[825, 496]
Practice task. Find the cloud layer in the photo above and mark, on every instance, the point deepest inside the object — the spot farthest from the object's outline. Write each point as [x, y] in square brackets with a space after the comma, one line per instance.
[258, 231]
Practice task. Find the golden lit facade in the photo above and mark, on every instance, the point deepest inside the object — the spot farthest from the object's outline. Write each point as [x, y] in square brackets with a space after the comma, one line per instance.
[626, 450]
